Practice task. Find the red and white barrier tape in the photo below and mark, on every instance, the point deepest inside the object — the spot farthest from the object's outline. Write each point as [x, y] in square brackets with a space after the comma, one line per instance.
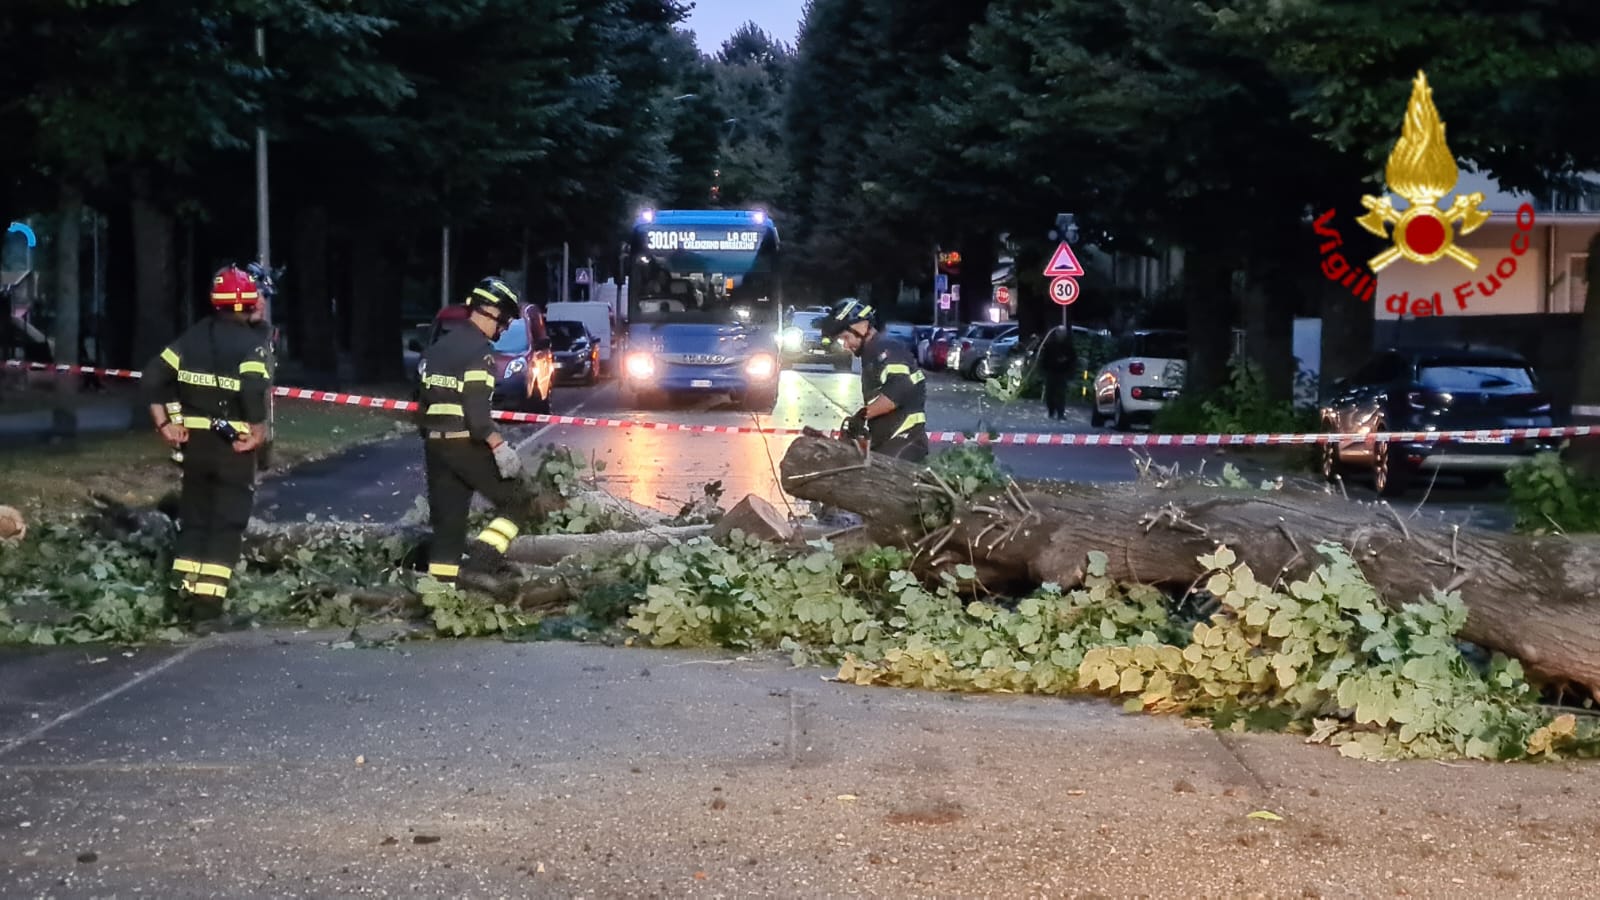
[949, 437]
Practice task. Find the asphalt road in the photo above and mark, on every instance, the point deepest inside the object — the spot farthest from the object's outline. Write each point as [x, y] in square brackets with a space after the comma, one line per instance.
[275, 764]
[381, 482]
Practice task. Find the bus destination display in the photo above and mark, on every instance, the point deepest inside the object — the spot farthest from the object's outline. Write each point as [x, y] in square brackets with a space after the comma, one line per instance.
[669, 240]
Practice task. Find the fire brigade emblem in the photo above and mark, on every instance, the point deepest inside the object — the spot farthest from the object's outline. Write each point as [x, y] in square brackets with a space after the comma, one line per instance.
[1422, 169]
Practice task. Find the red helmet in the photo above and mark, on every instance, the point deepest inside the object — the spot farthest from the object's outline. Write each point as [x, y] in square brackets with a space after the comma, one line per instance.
[233, 289]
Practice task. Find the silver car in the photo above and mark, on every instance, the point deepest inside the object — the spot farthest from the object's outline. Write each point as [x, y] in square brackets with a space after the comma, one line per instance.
[969, 352]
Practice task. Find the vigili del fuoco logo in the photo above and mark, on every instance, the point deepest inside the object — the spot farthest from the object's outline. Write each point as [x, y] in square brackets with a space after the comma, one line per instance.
[1421, 170]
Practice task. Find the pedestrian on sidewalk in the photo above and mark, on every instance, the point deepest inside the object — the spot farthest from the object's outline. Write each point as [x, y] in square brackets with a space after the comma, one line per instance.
[208, 398]
[463, 452]
[1057, 362]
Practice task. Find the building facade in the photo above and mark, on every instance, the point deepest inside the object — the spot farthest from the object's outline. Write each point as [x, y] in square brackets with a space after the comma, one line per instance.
[1534, 310]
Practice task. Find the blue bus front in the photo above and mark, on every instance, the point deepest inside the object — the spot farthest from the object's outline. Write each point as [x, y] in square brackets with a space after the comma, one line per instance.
[703, 307]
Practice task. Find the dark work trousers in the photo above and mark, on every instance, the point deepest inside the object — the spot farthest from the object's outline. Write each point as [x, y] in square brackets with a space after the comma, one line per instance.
[1055, 393]
[458, 467]
[910, 449]
[219, 490]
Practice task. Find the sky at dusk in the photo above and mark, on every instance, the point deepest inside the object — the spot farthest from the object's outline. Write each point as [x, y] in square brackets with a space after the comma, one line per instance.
[713, 21]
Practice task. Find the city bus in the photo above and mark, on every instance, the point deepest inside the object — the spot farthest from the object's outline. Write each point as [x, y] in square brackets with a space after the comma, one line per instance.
[704, 306]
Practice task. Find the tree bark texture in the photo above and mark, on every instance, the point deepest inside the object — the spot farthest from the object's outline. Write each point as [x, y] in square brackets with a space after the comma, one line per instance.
[1208, 314]
[375, 319]
[1534, 598]
[1269, 330]
[1585, 455]
[316, 342]
[977, 275]
[68, 281]
[155, 290]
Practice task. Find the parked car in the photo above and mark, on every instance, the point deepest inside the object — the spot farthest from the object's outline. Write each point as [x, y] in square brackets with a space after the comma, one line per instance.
[997, 357]
[939, 348]
[1435, 389]
[576, 351]
[598, 318]
[967, 351]
[931, 339]
[1147, 372]
[802, 340]
[523, 362]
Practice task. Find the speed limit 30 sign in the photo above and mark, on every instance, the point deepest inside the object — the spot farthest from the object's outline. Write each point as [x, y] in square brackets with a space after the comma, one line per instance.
[1064, 290]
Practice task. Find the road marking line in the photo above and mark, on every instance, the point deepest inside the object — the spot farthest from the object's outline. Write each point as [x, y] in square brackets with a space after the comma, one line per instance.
[540, 433]
[155, 670]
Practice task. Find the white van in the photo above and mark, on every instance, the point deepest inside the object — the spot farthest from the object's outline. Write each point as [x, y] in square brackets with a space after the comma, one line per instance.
[595, 315]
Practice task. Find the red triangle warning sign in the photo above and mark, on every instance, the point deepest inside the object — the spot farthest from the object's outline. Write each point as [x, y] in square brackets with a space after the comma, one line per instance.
[1063, 263]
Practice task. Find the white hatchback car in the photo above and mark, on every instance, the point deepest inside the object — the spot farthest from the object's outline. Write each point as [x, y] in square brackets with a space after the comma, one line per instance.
[1147, 372]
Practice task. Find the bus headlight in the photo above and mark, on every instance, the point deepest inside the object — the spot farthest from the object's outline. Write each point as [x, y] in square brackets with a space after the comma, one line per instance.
[761, 366]
[640, 366]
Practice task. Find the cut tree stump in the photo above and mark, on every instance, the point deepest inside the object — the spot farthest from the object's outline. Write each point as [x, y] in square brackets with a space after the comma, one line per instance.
[1534, 598]
[756, 518]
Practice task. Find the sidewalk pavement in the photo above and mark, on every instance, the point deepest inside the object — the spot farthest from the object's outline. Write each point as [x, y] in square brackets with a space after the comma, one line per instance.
[274, 763]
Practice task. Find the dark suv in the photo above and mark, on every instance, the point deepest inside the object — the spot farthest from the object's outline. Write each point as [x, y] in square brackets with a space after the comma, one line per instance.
[1435, 389]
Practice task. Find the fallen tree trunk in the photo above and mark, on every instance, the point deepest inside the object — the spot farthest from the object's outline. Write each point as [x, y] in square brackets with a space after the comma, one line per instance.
[1534, 598]
[546, 549]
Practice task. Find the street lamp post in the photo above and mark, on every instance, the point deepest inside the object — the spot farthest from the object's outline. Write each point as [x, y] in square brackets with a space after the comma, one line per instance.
[263, 217]
[264, 251]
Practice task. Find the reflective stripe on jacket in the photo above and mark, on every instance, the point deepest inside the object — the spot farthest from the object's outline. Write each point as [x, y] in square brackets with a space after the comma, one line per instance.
[889, 369]
[457, 383]
[217, 370]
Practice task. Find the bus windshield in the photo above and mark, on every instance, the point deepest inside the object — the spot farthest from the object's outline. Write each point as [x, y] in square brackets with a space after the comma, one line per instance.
[714, 268]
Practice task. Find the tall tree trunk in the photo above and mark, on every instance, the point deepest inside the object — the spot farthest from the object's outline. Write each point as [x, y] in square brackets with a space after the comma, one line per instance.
[316, 342]
[1035, 311]
[1269, 329]
[374, 311]
[885, 295]
[120, 318]
[1208, 309]
[69, 239]
[1585, 453]
[977, 275]
[188, 309]
[155, 294]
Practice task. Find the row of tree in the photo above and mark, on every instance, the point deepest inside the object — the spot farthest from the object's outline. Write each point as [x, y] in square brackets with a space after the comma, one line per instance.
[519, 125]
[1219, 128]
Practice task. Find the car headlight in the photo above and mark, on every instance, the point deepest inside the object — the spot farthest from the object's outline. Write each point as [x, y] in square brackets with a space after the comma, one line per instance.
[761, 366]
[640, 366]
[793, 338]
[515, 366]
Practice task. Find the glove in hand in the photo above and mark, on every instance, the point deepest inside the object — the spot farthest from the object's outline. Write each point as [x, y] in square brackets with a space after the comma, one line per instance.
[856, 425]
[506, 460]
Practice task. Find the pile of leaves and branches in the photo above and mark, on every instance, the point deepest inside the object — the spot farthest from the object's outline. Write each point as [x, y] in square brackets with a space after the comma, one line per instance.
[69, 582]
[87, 578]
[1324, 657]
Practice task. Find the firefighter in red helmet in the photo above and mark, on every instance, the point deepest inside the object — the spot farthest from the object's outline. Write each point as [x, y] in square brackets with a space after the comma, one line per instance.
[208, 395]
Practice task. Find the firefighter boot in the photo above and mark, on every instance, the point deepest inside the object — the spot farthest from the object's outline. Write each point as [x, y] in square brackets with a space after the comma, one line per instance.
[178, 602]
[485, 569]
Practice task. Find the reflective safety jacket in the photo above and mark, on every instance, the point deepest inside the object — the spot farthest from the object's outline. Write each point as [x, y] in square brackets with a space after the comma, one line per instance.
[215, 371]
[889, 369]
[457, 383]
